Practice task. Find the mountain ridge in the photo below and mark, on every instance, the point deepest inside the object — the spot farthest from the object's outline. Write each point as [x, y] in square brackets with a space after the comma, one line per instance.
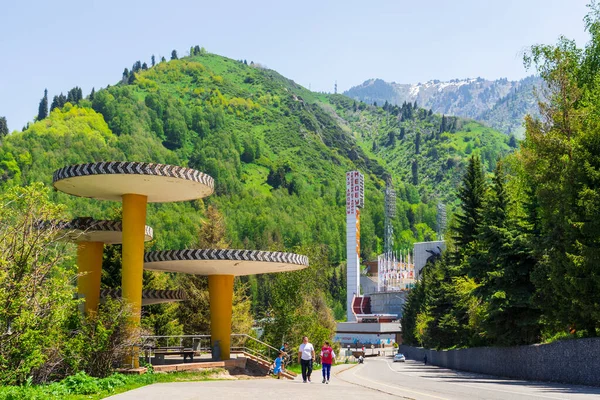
[499, 103]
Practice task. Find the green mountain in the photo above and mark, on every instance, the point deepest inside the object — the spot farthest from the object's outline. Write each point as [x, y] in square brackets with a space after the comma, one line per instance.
[500, 103]
[277, 151]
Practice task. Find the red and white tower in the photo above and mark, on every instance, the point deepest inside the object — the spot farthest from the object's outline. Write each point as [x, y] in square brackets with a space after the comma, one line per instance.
[355, 200]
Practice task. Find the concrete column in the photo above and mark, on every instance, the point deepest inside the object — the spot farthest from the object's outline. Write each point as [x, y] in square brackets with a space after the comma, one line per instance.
[134, 222]
[220, 289]
[89, 262]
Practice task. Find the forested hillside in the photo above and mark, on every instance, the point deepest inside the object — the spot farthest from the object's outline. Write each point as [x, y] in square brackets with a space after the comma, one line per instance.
[277, 151]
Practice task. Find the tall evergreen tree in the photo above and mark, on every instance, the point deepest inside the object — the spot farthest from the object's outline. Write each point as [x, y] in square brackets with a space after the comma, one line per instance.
[43, 108]
[3, 127]
[504, 265]
[174, 55]
[418, 143]
[153, 60]
[54, 103]
[470, 214]
[415, 172]
[92, 94]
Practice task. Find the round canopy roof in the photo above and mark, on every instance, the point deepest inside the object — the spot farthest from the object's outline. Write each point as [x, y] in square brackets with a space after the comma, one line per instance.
[149, 296]
[91, 230]
[111, 180]
[223, 262]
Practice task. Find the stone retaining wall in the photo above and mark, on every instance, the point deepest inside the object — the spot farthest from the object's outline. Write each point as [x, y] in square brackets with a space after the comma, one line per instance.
[568, 361]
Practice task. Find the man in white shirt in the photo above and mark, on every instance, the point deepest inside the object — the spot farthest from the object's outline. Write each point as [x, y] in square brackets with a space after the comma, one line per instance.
[306, 356]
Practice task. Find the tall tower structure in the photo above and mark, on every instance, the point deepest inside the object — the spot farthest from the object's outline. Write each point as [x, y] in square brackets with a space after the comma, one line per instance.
[355, 200]
[390, 214]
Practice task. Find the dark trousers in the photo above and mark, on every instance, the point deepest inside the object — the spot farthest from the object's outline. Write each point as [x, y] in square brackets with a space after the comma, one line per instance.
[326, 370]
[306, 368]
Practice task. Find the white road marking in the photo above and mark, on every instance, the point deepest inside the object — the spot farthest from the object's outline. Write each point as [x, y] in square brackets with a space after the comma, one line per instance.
[395, 387]
[478, 387]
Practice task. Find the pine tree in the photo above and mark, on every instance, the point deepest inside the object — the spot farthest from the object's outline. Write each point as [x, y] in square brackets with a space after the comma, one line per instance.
[144, 67]
[162, 59]
[62, 100]
[174, 55]
[3, 127]
[469, 217]
[415, 172]
[418, 143]
[54, 103]
[43, 108]
[153, 60]
[391, 142]
[504, 267]
[92, 94]
[75, 95]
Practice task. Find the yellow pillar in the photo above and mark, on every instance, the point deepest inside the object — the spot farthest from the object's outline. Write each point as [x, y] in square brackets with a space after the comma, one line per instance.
[220, 290]
[134, 222]
[89, 262]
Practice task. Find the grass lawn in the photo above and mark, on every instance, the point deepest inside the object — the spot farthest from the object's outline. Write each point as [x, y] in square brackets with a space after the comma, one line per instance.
[81, 386]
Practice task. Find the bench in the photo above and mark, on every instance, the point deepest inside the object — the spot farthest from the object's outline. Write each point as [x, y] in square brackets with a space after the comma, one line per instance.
[161, 352]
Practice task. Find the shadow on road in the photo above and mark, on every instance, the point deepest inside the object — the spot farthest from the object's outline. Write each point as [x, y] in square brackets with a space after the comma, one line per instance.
[454, 376]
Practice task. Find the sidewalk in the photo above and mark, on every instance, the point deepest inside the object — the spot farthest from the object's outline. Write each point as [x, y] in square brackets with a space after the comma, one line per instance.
[255, 389]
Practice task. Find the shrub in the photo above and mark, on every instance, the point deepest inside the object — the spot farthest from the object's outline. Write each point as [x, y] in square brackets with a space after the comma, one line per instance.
[36, 291]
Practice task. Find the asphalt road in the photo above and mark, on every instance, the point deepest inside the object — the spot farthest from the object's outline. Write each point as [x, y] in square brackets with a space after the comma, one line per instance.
[414, 380]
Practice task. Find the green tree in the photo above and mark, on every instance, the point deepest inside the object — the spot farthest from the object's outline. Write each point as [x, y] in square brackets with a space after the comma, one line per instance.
[551, 155]
[415, 172]
[36, 294]
[504, 265]
[43, 108]
[153, 60]
[469, 216]
[418, 143]
[3, 127]
[174, 55]
[195, 313]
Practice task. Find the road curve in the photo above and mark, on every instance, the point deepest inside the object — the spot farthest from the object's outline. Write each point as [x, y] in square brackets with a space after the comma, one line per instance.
[413, 380]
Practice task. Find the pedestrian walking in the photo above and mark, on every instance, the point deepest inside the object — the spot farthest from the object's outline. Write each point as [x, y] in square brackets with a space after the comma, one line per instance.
[425, 359]
[306, 356]
[277, 365]
[327, 357]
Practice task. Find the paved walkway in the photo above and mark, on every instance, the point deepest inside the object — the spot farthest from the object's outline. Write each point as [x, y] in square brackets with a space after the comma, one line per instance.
[255, 389]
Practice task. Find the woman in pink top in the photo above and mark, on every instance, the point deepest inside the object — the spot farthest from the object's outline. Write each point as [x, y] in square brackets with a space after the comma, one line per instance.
[327, 356]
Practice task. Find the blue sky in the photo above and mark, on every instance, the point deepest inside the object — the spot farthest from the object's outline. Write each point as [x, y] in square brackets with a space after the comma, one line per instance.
[59, 45]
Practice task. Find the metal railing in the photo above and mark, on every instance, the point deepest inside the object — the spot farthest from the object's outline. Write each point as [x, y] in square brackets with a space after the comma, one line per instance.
[240, 342]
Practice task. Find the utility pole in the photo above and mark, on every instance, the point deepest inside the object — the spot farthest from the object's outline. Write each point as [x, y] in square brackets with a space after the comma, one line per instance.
[441, 220]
